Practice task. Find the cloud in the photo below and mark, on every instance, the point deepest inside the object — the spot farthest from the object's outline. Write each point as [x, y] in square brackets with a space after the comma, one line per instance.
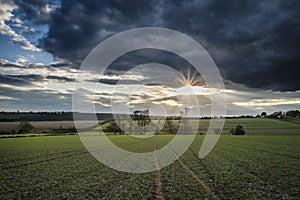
[91, 21]
[44, 100]
[268, 102]
[6, 9]
[253, 42]
[37, 11]
[19, 80]
[59, 78]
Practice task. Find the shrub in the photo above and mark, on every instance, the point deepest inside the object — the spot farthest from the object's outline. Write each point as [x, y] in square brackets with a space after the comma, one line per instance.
[239, 130]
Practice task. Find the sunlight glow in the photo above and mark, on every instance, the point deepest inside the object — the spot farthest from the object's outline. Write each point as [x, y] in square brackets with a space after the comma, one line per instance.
[268, 102]
[190, 79]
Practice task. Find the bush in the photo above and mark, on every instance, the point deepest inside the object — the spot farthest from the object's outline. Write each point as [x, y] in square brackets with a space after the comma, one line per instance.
[239, 130]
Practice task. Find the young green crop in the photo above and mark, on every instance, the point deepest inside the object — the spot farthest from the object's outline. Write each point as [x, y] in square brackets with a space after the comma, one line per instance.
[239, 167]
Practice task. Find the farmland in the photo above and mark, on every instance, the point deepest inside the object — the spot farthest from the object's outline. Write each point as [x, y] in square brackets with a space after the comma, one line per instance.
[39, 126]
[258, 165]
[253, 126]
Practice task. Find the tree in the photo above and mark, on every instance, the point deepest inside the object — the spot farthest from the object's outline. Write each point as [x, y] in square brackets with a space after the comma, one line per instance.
[25, 127]
[141, 117]
[293, 113]
[263, 114]
[277, 115]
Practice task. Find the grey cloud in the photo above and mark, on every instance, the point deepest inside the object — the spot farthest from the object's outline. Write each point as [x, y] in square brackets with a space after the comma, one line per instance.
[254, 43]
[59, 78]
[43, 100]
[38, 11]
[19, 80]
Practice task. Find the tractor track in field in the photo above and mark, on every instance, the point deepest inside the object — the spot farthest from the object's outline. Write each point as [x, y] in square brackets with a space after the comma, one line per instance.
[212, 177]
[203, 165]
[207, 189]
[158, 186]
[80, 152]
[199, 180]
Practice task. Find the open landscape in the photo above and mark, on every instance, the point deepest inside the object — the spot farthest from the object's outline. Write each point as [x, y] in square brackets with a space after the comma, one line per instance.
[156, 99]
[263, 164]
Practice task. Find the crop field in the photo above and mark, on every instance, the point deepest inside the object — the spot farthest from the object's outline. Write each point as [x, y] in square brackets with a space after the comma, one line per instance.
[40, 126]
[254, 166]
[252, 126]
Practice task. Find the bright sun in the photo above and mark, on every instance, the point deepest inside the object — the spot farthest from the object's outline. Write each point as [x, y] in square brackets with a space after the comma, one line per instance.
[191, 84]
[190, 79]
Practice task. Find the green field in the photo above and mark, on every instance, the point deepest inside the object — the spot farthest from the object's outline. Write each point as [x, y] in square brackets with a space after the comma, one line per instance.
[40, 126]
[258, 166]
[252, 126]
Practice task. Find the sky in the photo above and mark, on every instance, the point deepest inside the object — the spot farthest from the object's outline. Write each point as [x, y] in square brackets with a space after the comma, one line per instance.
[254, 44]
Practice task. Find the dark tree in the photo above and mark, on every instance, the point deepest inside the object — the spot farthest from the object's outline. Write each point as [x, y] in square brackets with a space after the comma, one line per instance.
[24, 127]
[293, 113]
[141, 119]
[263, 114]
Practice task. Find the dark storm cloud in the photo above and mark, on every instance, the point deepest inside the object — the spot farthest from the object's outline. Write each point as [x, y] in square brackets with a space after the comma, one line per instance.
[61, 65]
[254, 43]
[60, 78]
[78, 26]
[43, 100]
[108, 81]
[144, 56]
[20, 80]
[38, 11]
[30, 79]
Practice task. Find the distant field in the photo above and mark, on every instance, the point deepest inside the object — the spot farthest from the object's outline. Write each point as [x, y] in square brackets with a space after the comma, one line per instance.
[293, 120]
[239, 167]
[252, 126]
[40, 125]
[263, 126]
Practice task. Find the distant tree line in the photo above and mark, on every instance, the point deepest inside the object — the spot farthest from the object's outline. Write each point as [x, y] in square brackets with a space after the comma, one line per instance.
[275, 115]
[279, 114]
